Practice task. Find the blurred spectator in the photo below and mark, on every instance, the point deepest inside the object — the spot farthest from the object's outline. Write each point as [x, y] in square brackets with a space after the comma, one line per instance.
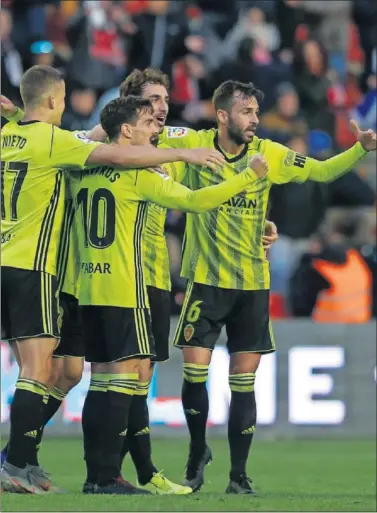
[366, 112]
[203, 38]
[104, 99]
[79, 109]
[43, 52]
[296, 222]
[29, 22]
[312, 84]
[284, 121]
[330, 27]
[11, 64]
[251, 24]
[98, 33]
[160, 37]
[189, 89]
[365, 16]
[253, 64]
[332, 282]
[219, 14]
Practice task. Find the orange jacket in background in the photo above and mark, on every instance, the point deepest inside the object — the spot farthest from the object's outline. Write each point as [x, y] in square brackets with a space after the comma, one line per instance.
[348, 300]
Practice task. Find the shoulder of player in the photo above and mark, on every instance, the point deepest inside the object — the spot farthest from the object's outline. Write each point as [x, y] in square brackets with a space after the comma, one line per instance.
[260, 145]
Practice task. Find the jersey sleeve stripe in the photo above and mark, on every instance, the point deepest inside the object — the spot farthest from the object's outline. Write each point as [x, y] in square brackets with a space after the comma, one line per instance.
[137, 242]
[52, 139]
[47, 226]
[64, 242]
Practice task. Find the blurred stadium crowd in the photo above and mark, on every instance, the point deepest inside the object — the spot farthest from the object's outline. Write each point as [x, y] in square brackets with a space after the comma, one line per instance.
[315, 60]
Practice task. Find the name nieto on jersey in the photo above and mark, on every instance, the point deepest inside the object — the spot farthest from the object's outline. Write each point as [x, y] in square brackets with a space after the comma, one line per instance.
[13, 141]
[95, 267]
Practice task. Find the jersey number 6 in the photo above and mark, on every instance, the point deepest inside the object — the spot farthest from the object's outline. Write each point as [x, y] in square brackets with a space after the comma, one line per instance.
[99, 221]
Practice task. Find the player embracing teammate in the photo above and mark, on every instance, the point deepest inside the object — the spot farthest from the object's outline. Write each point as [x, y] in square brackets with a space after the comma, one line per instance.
[225, 265]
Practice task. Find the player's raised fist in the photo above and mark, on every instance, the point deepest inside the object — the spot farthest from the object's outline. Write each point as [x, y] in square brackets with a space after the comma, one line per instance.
[367, 138]
[204, 157]
[259, 165]
[8, 108]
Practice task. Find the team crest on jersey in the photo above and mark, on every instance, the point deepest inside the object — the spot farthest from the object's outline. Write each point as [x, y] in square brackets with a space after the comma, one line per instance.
[83, 136]
[188, 332]
[289, 158]
[161, 171]
[177, 131]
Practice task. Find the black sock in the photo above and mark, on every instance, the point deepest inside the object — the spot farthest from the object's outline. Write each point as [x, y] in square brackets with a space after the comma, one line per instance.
[94, 416]
[139, 436]
[52, 403]
[26, 418]
[124, 451]
[242, 420]
[119, 397]
[195, 404]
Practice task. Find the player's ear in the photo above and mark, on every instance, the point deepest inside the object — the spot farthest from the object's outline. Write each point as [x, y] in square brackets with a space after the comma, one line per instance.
[126, 130]
[51, 102]
[222, 116]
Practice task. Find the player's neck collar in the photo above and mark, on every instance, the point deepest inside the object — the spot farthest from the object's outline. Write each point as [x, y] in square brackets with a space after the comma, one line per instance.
[233, 159]
[21, 123]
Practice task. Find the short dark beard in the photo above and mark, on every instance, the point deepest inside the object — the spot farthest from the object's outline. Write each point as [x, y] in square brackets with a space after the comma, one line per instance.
[235, 134]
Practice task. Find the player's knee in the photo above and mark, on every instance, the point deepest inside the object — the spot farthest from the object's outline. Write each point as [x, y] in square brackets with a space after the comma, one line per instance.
[146, 368]
[73, 369]
[197, 355]
[36, 359]
[131, 366]
[244, 363]
[37, 372]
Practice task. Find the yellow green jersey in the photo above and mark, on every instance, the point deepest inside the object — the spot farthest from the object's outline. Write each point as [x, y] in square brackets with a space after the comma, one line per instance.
[156, 255]
[223, 248]
[68, 266]
[112, 206]
[32, 191]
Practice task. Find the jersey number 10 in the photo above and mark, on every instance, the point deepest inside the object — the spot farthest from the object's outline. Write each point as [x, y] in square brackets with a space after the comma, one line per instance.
[19, 169]
[99, 221]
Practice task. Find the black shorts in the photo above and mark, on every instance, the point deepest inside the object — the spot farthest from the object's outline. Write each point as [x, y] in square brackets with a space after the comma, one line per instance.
[113, 334]
[244, 313]
[29, 304]
[159, 302]
[72, 341]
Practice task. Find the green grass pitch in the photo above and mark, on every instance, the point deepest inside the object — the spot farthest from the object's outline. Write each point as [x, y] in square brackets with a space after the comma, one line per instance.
[289, 476]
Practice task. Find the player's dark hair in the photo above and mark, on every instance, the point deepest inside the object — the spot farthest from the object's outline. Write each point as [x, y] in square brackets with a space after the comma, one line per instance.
[36, 81]
[225, 93]
[123, 110]
[137, 80]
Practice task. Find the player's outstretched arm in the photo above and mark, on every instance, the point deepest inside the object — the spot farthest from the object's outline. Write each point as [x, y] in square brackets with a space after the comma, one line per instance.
[333, 168]
[162, 190]
[148, 156]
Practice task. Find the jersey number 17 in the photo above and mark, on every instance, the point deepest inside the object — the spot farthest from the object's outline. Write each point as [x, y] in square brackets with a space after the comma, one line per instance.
[19, 170]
